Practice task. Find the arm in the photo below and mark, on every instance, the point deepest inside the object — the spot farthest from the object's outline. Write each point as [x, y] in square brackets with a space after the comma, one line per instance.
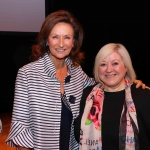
[88, 81]
[20, 133]
[143, 116]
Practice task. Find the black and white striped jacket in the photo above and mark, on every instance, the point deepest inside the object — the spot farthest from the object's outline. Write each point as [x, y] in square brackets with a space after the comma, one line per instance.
[37, 104]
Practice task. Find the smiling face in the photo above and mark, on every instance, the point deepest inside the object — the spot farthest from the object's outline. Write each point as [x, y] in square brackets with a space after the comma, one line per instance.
[60, 41]
[112, 72]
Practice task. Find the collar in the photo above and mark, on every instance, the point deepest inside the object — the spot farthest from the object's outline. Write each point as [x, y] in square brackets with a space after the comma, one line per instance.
[49, 67]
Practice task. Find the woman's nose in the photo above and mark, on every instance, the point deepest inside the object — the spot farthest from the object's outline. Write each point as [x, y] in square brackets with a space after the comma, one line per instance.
[109, 68]
[61, 42]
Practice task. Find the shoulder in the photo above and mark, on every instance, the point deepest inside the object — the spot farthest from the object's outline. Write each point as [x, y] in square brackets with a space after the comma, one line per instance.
[139, 91]
[140, 96]
[89, 88]
[87, 91]
[85, 94]
[75, 69]
[32, 65]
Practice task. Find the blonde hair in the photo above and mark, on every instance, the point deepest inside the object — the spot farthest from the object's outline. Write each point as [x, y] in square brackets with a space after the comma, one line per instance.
[109, 49]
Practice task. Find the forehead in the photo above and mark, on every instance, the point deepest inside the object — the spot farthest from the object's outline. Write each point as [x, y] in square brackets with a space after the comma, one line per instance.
[62, 27]
[113, 56]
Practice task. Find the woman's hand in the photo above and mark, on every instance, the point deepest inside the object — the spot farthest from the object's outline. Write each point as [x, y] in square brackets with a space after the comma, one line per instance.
[139, 83]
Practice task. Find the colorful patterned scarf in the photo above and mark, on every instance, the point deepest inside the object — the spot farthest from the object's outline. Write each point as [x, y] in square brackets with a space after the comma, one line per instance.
[91, 123]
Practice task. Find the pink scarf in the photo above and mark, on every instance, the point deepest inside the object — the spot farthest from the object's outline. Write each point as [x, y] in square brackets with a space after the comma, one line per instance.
[91, 139]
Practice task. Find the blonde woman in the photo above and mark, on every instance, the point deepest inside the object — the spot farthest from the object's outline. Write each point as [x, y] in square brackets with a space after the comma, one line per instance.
[114, 114]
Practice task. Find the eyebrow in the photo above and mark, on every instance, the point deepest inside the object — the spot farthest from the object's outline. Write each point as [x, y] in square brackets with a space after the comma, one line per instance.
[58, 35]
[112, 60]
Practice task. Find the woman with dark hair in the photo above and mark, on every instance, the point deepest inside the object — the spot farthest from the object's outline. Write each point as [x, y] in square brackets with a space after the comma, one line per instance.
[41, 48]
[48, 90]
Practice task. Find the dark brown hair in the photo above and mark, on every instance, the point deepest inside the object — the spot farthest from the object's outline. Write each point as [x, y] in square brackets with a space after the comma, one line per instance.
[40, 48]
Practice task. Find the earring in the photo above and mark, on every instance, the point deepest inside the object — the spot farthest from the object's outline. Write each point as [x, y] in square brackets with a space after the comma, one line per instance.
[46, 44]
[72, 45]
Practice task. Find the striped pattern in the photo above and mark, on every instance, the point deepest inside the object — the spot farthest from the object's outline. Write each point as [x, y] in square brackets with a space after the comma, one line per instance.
[64, 100]
[37, 104]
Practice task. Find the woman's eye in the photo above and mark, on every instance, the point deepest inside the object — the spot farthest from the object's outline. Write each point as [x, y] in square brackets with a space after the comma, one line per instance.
[115, 63]
[54, 37]
[67, 37]
[102, 64]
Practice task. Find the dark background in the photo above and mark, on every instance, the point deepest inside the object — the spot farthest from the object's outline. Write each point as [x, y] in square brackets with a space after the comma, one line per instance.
[126, 22]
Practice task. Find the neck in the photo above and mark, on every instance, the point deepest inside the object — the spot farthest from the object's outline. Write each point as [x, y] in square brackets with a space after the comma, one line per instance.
[58, 63]
[119, 87]
[59, 66]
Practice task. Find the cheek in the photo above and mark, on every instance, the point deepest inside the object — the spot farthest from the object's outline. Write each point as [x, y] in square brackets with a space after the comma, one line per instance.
[122, 69]
[51, 43]
[101, 71]
[69, 43]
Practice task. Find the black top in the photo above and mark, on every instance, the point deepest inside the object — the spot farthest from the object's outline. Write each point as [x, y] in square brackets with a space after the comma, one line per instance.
[66, 120]
[112, 108]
